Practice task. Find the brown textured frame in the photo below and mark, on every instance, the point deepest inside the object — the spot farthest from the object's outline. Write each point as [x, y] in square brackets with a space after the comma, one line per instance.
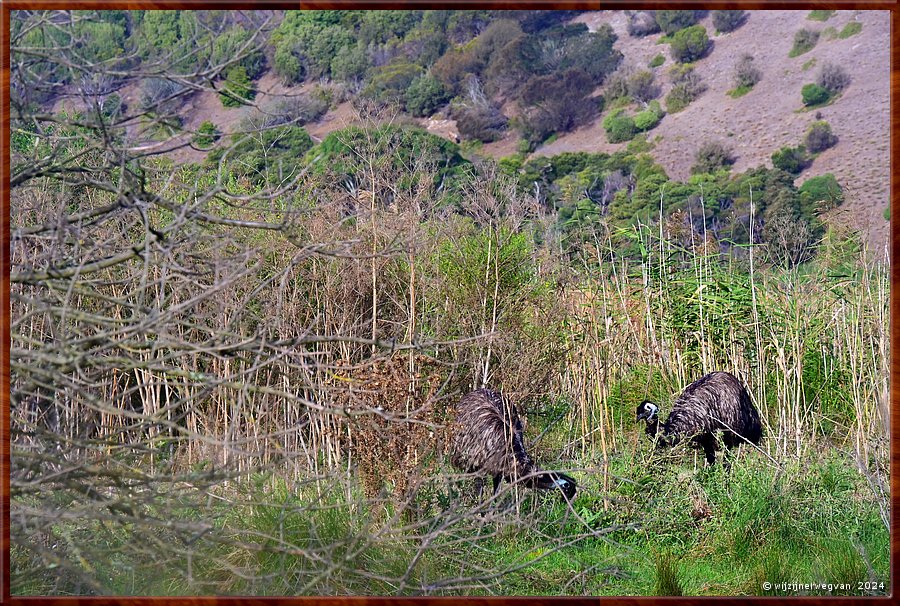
[9, 5]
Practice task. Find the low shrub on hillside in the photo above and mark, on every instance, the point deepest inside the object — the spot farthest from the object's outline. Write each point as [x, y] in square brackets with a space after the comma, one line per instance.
[712, 156]
[728, 21]
[819, 137]
[689, 44]
[804, 41]
[813, 94]
[851, 29]
[833, 78]
[649, 118]
[619, 126]
[687, 86]
[790, 159]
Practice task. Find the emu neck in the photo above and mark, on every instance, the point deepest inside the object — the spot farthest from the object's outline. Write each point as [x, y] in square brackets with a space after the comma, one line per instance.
[652, 428]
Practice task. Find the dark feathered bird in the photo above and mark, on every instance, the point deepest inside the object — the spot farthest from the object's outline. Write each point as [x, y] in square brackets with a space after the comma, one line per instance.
[486, 437]
[714, 402]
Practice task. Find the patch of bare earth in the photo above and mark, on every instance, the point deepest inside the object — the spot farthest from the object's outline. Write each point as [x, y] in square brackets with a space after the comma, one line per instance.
[767, 117]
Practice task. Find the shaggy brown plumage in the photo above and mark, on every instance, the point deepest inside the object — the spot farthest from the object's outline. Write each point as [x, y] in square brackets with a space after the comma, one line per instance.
[715, 402]
[486, 436]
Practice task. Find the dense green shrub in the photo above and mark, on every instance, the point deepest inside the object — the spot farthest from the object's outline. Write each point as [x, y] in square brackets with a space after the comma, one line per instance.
[673, 21]
[804, 41]
[425, 95]
[350, 64]
[238, 87]
[390, 82]
[712, 156]
[689, 44]
[657, 61]
[790, 159]
[649, 118]
[619, 126]
[822, 192]
[728, 21]
[833, 78]
[813, 94]
[819, 137]
[206, 134]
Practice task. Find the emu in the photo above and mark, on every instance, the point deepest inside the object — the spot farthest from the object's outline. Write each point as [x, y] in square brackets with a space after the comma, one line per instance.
[715, 402]
[486, 437]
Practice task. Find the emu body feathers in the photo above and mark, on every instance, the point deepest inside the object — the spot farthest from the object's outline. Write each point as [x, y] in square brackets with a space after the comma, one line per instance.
[487, 437]
[715, 402]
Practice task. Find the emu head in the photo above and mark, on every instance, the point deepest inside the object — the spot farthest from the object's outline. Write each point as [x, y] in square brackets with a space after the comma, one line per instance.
[551, 480]
[647, 411]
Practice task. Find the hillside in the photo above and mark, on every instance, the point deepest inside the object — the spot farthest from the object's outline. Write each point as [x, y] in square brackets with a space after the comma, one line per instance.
[755, 125]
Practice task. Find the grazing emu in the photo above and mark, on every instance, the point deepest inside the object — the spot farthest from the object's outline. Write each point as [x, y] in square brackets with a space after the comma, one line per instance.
[486, 437]
[717, 401]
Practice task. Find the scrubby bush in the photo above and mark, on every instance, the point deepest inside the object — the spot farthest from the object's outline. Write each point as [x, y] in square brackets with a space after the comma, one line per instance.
[617, 84]
[821, 193]
[746, 74]
[642, 23]
[619, 126]
[300, 109]
[558, 102]
[642, 87]
[657, 61]
[673, 21]
[833, 78]
[425, 95]
[804, 41]
[790, 159]
[687, 86]
[712, 156]
[649, 118]
[157, 90]
[813, 94]
[689, 44]
[482, 123]
[206, 134]
[728, 21]
[819, 137]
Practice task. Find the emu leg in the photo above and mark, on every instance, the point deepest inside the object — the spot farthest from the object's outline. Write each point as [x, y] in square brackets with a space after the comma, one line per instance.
[479, 488]
[708, 442]
[497, 480]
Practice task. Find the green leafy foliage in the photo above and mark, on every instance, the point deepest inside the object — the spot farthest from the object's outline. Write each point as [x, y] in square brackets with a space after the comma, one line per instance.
[656, 61]
[820, 15]
[619, 126]
[650, 117]
[790, 159]
[238, 87]
[425, 95]
[689, 44]
[813, 95]
[206, 134]
[671, 21]
[821, 193]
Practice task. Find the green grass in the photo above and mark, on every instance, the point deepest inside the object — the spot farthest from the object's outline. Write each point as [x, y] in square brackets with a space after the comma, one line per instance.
[739, 91]
[887, 213]
[809, 64]
[851, 29]
[820, 15]
[675, 528]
